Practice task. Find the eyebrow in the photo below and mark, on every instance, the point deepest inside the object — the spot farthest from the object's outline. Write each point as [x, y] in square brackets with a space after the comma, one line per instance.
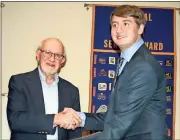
[114, 22]
[126, 20]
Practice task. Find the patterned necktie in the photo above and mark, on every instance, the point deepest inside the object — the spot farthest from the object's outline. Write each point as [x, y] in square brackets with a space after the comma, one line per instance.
[121, 59]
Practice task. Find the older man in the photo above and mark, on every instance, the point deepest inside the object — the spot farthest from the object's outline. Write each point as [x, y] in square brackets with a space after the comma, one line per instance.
[36, 97]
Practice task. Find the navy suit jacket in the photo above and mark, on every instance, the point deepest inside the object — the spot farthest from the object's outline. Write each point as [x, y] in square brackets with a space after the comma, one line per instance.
[26, 111]
[137, 108]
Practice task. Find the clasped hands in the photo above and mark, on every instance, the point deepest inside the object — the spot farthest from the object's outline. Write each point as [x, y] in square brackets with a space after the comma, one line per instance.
[67, 119]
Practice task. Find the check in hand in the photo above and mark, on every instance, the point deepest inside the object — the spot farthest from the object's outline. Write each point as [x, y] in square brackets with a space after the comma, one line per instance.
[67, 119]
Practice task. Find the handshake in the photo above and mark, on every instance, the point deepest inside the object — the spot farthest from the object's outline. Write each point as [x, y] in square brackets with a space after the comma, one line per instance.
[67, 119]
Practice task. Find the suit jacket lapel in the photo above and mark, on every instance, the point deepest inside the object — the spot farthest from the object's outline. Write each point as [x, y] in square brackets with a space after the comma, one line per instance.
[35, 88]
[123, 69]
[62, 101]
[135, 54]
[36, 92]
[111, 103]
[61, 95]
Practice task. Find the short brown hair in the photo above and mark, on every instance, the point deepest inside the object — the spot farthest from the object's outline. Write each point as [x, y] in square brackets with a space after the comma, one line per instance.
[129, 11]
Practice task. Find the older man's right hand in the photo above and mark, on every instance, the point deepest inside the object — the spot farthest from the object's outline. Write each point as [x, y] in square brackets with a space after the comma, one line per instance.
[67, 119]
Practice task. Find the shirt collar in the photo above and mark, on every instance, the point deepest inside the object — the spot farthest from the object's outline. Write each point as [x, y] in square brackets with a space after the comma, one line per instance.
[42, 77]
[127, 54]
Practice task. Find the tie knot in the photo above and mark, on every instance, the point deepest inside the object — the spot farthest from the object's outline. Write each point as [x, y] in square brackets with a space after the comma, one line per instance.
[121, 59]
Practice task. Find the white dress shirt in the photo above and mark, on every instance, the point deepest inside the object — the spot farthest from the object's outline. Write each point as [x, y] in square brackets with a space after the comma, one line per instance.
[50, 94]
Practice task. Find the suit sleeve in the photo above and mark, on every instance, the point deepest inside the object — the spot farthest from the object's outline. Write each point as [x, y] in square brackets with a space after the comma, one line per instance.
[141, 85]
[19, 119]
[94, 121]
[76, 106]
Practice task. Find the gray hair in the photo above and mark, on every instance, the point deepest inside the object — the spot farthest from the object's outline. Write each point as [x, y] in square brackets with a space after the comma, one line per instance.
[39, 46]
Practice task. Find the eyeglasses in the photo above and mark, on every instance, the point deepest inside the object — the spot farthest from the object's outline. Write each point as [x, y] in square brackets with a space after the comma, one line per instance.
[49, 54]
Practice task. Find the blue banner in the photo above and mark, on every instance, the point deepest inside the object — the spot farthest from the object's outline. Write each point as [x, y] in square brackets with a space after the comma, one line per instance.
[159, 37]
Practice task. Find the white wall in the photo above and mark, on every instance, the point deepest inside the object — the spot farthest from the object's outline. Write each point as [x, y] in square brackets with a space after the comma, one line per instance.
[0, 76]
[25, 24]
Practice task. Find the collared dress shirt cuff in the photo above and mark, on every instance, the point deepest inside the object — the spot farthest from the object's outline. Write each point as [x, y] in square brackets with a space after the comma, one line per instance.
[83, 118]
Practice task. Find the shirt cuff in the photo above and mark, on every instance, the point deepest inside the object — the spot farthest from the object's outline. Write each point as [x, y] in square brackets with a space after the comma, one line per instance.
[83, 118]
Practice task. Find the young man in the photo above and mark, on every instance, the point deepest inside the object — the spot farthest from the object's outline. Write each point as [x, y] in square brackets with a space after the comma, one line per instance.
[137, 108]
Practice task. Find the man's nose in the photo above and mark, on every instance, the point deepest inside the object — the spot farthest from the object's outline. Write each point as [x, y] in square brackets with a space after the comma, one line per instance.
[52, 58]
[120, 29]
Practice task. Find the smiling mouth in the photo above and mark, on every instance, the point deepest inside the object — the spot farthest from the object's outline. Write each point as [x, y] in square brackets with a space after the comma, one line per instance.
[120, 37]
[51, 65]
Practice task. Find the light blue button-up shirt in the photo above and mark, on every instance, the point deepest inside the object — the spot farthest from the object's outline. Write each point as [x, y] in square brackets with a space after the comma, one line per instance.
[127, 55]
[50, 94]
